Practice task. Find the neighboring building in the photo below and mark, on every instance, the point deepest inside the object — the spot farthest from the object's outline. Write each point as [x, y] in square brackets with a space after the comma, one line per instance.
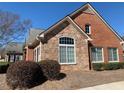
[78, 40]
[14, 52]
[2, 57]
[28, 51]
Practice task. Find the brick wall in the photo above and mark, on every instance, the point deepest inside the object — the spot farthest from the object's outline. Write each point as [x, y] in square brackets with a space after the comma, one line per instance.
[29, 54]
[102, 36]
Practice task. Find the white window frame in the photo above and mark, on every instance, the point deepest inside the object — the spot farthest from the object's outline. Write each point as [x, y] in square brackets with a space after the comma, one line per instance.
[102, 61]
[37, 58]
[89, 29]
[66, 50]
[117, 55]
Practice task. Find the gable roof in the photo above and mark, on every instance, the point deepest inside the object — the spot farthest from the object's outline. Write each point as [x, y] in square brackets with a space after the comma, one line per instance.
[67, 18]
[75, 12]
[103, 20]
[14, 47]
[33, 32]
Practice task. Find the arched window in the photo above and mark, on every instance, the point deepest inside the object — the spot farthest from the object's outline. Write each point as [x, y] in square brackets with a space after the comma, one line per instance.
[66, 50]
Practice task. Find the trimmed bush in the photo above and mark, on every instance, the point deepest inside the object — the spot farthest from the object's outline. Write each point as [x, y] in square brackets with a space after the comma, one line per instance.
[121, 65]
[23, 75]
[3, 67]
[108, 66]
[98, 66]
[50, 68]
[111, 66]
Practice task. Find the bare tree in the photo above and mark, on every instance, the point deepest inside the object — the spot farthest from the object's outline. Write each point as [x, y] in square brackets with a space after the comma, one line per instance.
[12, 27]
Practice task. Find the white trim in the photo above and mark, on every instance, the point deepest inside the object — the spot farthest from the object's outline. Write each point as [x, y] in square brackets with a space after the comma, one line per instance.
[66, 56]
[40, 52]
[67, 63]
[117, 56]
[122, 42]
[99, 17]
[102, 55]
[68, 19]
[52, 27]
[79, 28]
[37, 58]
[42, 35]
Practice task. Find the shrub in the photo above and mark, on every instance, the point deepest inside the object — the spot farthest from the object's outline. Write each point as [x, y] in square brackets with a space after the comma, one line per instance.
[121, 64]
[3, 67]
[23, 75]
[98, 66]
[111, 66]
[50, 68]
[107, 66]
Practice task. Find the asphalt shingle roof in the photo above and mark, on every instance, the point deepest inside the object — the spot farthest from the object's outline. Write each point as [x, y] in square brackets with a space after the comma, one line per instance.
[14, 47]
[32, 35]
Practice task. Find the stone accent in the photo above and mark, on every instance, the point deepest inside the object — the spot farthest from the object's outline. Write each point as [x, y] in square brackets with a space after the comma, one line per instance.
[50, 50]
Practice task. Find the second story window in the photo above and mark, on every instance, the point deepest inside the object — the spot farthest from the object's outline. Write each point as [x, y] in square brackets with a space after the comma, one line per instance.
[88, 29]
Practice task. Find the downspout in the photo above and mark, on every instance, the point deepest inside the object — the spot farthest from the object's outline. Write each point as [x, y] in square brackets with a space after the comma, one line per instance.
[89, 54]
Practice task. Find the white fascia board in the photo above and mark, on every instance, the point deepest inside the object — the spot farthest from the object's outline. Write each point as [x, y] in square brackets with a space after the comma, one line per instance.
[42, 35]
[99, 17]
[89, 39]
[122, 42]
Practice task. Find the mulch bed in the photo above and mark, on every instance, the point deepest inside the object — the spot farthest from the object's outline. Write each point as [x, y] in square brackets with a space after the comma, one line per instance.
[76, 80]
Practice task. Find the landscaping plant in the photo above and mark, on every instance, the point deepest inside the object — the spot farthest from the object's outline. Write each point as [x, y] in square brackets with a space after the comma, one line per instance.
[23, 75]
[108, 66]
[50, 68]
[111, 66]
[3, 67]
[98, 66]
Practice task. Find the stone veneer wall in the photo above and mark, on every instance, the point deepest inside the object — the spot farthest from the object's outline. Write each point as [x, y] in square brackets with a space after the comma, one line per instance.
[50, 49]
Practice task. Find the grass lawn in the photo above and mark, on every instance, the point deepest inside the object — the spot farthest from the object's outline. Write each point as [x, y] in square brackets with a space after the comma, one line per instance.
[76, 80]
[4, 63]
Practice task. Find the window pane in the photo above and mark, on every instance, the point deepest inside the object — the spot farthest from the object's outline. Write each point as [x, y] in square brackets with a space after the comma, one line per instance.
[66, 40]
[66, 50]
[70, 54]
[112, 54]
[96, 54]
[62, 54]
[99, 54]
[87, 28]
[93, 52]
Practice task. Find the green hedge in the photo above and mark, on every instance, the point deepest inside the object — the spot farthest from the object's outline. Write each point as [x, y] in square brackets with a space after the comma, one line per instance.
[3, 67]
[98, 66]
[108, 66]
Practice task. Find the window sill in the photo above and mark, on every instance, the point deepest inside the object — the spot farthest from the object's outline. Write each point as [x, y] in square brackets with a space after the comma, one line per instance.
[113, 61]
[97, 61]
[67, 63]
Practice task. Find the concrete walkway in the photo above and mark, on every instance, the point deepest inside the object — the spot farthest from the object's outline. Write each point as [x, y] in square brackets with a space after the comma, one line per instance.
[109, 86]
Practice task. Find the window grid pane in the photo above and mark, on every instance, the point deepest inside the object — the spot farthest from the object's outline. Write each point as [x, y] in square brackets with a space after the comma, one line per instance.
[66, 51]
[66, 40]
[87, 28]
[112, 54]
[62, 54]
[96, 54]
[70, 54]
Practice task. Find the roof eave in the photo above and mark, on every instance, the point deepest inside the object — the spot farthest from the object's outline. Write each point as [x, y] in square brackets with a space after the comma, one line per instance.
[89, 5]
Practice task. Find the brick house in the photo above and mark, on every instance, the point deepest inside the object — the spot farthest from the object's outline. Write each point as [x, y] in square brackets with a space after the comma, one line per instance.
[31, 38]
[79, 39]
